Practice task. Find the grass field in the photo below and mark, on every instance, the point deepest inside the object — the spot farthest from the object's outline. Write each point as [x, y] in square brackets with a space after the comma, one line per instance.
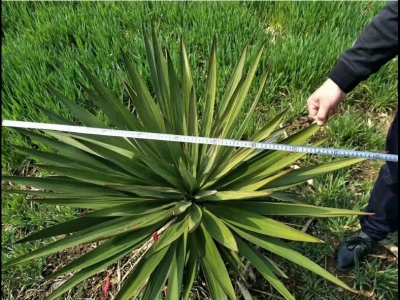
[42, 42]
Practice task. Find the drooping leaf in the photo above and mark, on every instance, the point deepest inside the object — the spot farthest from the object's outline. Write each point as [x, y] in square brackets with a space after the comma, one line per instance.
[157, 279]
[258, 223]
[120, 243]
[132, 165]
[286, 197]
[140, 274]
[280, 248]
[212, 263]
[102, 230]
[257, 260]
[54, 159]
[288, 209]
[283, 163]
[234, 262]
[86, 273]
[260, 184]
[65, 149]
[213, 286]
[53, 116]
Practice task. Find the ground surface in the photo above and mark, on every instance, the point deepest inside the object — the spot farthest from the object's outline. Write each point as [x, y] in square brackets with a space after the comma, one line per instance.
[42, 41]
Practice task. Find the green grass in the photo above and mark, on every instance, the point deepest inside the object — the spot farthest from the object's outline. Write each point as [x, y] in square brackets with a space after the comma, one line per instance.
[42, 41]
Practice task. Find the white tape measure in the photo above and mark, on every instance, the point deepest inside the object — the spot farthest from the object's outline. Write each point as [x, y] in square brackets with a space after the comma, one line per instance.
[201, 140]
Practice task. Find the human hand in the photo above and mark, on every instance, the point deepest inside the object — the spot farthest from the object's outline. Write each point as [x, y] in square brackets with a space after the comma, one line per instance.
[324, 101]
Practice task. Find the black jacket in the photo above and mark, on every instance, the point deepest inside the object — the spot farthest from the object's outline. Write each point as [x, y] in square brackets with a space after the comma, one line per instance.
[376, 45]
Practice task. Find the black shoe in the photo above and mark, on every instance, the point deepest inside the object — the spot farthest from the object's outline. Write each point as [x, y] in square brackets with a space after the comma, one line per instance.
[354, 248]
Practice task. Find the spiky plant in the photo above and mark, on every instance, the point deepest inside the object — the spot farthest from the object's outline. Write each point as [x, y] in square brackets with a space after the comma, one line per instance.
[211, 205]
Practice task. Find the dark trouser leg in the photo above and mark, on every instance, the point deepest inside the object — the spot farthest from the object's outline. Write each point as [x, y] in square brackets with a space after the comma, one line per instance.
[384, 196]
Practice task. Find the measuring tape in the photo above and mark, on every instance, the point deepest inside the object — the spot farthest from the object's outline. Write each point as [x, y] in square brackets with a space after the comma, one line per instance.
[200, 140]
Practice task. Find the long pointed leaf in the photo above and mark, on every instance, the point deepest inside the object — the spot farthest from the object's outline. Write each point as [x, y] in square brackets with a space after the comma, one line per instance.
[102, 230]
[171, 234]
[91, 176]
[213, 286]
[210, 93]
[153, 72]
[86, 273]
[96, 203]
[109, 104]
[260, 224]
[195, 216]
[235, 195]
[120, 243]
[134, 208]
[193, 131]
[64, 185]
[87, 118]
[187, 86]
[253, 107]
[212, 262]
[159, 276]
[218, 230]
[178, 104]
[162, 72]
[237, 178]
[177, 268]
[148, 110]
[233, 82]
[190, 268]
[64, 228]
[280, 248]
[286, 209]
[140, 274]
[61, 147]
[256, 259]
[240, 155]
[304, 174]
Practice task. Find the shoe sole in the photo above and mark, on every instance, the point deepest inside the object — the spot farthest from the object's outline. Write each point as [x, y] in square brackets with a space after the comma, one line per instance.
[346, 270]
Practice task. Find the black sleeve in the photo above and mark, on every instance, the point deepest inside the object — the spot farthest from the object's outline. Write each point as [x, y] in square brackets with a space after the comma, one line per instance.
[376, 45]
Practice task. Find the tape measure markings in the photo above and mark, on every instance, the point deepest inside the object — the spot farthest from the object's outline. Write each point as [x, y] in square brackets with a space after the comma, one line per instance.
[201, 140]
